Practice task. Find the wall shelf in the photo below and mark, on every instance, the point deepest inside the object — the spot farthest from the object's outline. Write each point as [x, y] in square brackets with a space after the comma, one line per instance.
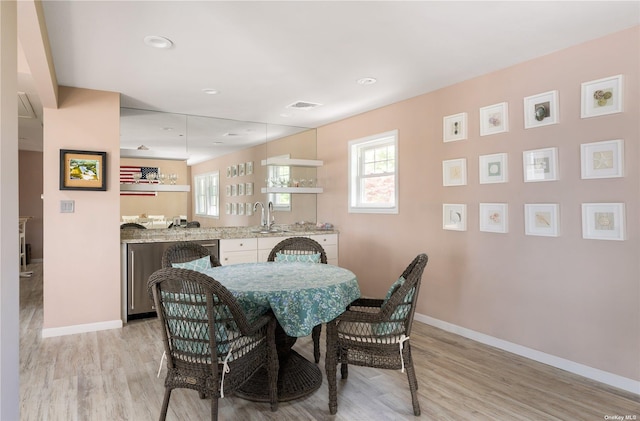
[291, 162]
[156, 187]
[291, 190]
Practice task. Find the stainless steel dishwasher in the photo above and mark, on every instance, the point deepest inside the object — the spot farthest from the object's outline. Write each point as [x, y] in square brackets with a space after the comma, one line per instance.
[142, 260]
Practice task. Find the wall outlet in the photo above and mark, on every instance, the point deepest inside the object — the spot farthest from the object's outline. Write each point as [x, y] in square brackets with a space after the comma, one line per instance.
[67, 206]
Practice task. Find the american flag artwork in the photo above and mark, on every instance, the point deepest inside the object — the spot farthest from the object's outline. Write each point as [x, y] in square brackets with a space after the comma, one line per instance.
[126, 177]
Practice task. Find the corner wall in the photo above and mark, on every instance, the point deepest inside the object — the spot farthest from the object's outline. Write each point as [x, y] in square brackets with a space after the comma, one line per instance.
[30, 189]
[569, 297]
[82, 272]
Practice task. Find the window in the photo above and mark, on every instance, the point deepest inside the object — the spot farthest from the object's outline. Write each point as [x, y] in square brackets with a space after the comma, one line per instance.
[207, 191]
[373, 174]
[279, 177]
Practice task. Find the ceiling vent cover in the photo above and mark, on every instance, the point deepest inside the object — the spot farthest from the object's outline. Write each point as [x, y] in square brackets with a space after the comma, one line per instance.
[25, 110]
[303, 105]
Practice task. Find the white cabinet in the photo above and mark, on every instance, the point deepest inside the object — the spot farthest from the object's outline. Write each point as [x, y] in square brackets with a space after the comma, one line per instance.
[329, 243]
[265, 245]
[238, 250]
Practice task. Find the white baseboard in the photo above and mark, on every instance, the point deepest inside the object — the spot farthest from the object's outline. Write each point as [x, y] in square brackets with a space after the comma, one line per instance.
[605, 377]
[89, 327]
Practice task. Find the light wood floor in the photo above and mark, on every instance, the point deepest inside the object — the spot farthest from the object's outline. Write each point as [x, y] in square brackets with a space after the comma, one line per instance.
[111, 375]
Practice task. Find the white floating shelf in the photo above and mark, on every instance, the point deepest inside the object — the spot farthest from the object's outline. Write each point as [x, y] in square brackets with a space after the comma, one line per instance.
[291, 190]
[292, 162]
[156, 187]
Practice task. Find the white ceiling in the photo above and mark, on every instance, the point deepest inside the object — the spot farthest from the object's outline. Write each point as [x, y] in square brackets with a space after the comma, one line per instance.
[263, 56]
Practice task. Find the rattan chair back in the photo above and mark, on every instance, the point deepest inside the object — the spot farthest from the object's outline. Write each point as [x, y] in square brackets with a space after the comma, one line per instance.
[186, 251]
[298, 245]
[132, 225]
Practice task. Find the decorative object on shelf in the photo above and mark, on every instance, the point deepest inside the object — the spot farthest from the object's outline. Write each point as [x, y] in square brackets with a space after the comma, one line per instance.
[454, 172]
[241, 170]
[454, 127]
[603, 221]
[493, 168]
[83, 170]
[541, 219]
[494, 119]
[162, 177]
[541, 110]
[152, 177]
[173, 178]
[601, 97]
[249, 167]
[540, 165]
[494, 217]
[603, 159]
[454, 217]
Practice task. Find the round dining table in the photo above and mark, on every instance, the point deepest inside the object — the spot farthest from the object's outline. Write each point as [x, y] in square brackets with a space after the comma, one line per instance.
[301, 296]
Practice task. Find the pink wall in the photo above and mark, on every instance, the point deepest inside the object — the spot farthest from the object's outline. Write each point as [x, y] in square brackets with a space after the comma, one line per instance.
[82, 269]
[30, 179]
[569, 297]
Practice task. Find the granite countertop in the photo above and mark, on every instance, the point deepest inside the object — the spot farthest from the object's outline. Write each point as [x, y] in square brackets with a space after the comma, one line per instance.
[187, 234]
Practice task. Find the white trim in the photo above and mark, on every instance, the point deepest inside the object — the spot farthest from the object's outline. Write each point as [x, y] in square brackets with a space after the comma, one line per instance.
[605, 377]
[89, 327]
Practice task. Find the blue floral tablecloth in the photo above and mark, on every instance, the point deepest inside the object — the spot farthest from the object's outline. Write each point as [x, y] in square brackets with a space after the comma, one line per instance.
[301, 295]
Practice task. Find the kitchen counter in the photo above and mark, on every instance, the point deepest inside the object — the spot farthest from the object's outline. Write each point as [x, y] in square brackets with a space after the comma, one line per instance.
[188, 234]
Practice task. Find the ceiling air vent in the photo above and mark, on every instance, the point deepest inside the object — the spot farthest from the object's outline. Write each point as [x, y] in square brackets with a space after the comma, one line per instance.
[302, 105]
[25, 109]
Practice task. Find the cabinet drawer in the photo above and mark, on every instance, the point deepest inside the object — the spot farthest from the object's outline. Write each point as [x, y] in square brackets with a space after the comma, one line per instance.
[268, 243]
[326, 239]
[238, 244]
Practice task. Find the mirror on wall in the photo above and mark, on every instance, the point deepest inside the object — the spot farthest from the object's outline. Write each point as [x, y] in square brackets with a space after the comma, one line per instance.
[207, 144]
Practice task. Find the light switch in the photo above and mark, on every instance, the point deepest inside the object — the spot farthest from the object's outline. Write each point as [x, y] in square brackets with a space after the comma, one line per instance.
[67, 206]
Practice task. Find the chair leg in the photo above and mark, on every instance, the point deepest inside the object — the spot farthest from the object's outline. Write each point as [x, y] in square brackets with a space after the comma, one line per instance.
[344, 371]
[165, 404]
[273, 365]
[315, 334]
[214, 408]
[330, 365]
[413, 381]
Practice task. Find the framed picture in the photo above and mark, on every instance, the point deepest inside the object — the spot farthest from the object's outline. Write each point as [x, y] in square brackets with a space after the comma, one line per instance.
[234, 171]
[602, 159]
[541, 110]
[601, 97]
[241, 189]
[493, 168]
[227, 208]
[241, 209]
[228, 190]
[454, 172]
[234, 190]
[83, 170]
[454, 217]
[241, 170]
[249, 167]
[541, 219]
[454, 127]
[494, 119]
[248, 189]
[603, 221]
[234, 209]
[540, 165]
[493, 217]
[248, 209]
[228, 172]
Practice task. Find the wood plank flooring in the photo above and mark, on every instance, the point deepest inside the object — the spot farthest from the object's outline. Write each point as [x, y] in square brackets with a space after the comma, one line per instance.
[111, 375]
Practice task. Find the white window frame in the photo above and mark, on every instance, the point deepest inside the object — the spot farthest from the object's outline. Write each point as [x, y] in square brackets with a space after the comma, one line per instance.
[356, 168]
[281, 201]
[211, 195]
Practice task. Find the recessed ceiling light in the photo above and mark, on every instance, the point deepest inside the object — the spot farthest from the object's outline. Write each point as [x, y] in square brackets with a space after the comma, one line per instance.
[285, 115]
[217, 143]
[367, 81]
[211, 91]
[167, 129]
[156, 41]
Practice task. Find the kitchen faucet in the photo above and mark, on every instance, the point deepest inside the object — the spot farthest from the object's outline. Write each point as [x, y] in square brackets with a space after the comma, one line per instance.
[271, 220]
[263, 223]
[268, 221]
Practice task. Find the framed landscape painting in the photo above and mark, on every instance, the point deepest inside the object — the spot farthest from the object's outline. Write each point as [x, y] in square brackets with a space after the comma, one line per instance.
[83, 170]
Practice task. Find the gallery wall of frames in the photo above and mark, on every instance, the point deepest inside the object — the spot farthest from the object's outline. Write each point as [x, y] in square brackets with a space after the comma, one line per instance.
[601, 159]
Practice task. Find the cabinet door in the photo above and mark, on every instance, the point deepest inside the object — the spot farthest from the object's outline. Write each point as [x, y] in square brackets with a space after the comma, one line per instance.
[238, 250]
[143, 260]
[265, 245]
[329, 243]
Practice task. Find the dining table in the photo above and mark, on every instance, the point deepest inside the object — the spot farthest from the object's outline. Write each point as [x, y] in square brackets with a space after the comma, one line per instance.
[301, 296]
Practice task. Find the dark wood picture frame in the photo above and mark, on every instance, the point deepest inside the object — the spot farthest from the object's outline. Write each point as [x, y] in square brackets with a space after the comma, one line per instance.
[83, 170]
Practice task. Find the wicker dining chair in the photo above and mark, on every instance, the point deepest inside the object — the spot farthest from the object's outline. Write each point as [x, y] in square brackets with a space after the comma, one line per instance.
[132, 225]
[301, 246]
[186, 251]
[210, 344]
[375, 333]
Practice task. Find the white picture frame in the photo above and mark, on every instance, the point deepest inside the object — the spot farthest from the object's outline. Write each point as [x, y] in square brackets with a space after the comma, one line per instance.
[228, 190]
[241, 170]
[249, 167]
[542, 219]
[601, 97]
[454, 127]
[603, 159]
[248, 189]
[234, 190]
[603, 221]
[227, 208]
[494, 217]
[240, 189]
[493, 168]
[541, 110]
[234, 171]
[241, 209]
[494, 119]
[234, 209]
[454, 172]
[540, 165]
[454, 217]
[229, 172]
[248, 209]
